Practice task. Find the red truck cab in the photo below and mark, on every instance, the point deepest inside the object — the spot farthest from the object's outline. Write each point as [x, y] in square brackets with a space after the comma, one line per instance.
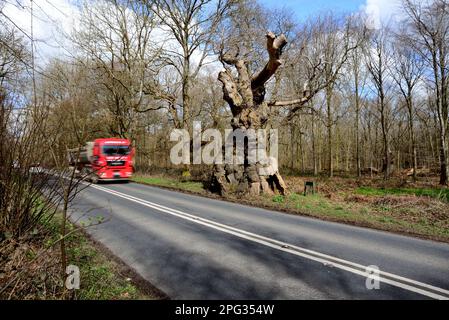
[112, 159]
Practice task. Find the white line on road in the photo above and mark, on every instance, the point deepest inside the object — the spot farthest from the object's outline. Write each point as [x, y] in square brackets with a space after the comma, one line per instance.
[385, 277]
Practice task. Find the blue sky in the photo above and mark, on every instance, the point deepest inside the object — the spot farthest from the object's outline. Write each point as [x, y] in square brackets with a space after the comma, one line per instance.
[304, 8]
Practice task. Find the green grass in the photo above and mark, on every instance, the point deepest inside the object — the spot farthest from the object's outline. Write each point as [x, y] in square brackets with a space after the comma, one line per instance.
[100, 277]
[313, 204]
[380, 217]
[192, 186]
[442, 194]
[337, 209]
[278, 199]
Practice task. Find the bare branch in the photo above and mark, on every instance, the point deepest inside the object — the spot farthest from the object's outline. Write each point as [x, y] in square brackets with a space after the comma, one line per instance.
[275, 44]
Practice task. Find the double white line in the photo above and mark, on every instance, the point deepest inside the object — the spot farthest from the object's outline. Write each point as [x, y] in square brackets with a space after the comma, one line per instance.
[385, 277]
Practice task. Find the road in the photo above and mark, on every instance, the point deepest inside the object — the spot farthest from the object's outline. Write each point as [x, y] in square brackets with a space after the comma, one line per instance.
[198, 248]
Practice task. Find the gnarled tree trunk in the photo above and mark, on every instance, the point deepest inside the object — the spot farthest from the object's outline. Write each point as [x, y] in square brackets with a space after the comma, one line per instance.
[246, 98]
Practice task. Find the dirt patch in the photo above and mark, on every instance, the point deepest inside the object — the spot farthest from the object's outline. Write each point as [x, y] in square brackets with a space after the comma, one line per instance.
[396, 201]
[359, 198]
[415, 209]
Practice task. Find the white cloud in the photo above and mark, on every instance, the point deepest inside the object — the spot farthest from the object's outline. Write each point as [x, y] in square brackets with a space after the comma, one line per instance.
[382, 12]
[52, 20]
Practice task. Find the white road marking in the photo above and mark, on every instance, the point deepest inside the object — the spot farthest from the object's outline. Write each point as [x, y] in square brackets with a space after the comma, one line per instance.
[385, 277]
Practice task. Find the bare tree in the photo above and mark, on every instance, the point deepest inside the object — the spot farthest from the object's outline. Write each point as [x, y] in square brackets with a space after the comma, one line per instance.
[190, 24]
[116, 39]
[359, 80]
[429, 23]
[335, 55]
[356, 60]
[408, 68]
[245, 96]
[378, 61]
[320, 53]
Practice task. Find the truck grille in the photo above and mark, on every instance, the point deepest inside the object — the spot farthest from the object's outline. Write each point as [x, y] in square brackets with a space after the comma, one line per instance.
[116, 163]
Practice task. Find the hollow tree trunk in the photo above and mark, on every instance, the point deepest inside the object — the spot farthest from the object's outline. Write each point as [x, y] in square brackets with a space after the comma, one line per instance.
[246, 98]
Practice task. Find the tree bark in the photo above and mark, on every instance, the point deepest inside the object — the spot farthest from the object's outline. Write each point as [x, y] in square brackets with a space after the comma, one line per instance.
[186, 96]
[386, 147]
[329, 131]
[314, 155]
[412, 135]
[357, 118]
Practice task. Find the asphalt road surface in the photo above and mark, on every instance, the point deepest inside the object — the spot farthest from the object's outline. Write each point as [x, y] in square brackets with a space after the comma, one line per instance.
[198, 248]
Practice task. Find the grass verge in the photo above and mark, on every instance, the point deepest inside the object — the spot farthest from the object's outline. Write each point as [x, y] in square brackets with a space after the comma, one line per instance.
[437, 193]
[103, 276]
[420, 212]
[33, 264]
[407, 215]
[191, 186]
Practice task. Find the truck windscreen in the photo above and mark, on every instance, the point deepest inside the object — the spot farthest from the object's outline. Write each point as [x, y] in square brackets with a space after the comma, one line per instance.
[116, 150]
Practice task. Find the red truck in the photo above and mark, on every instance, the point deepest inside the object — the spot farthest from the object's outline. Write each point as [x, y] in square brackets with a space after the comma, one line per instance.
[109, 159]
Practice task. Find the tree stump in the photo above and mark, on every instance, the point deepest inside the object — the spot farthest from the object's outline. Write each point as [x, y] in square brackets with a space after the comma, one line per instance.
[309, 186]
